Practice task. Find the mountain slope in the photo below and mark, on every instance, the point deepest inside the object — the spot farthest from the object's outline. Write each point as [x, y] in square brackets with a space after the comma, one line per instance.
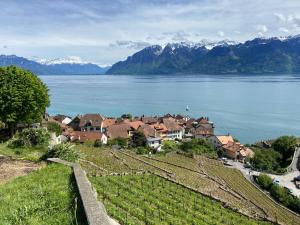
[257, 56]
[63, 68]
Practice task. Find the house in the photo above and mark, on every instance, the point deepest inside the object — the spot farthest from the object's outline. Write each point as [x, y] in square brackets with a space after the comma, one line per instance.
[155, 143]
[219, 140]
[174, 131]
[245, 152]
[84, 136]
[55, 140]
[108, 122]
[232, 149]
[134, 124]
[122, 130]
[88, 122]
[147, 130]
[204, 130]
[150, 120]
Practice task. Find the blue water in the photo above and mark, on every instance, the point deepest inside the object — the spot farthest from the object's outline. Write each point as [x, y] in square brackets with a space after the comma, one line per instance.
[249, 107]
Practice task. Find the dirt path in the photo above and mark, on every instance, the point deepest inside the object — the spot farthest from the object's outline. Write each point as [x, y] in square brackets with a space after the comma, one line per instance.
[12, 168]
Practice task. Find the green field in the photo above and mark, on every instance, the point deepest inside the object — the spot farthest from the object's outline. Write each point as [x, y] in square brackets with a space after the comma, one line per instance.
[32, 154]
[47, 196]
[149, 199]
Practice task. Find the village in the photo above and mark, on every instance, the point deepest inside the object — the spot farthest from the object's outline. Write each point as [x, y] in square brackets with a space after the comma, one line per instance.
[156, 129]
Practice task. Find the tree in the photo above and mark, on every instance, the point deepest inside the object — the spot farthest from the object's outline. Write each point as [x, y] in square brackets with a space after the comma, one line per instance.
[285, 145]
[138, 139]
[126, 116]
[266, 160]
[264, 181]
[54, 127]
[23, 97]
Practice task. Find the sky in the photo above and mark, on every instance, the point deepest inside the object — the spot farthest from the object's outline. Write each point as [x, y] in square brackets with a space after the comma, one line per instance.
[106, 31]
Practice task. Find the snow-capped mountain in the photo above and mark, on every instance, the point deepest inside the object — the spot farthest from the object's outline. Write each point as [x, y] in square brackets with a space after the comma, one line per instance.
[65, 60]
[63, 66]
[260, 55]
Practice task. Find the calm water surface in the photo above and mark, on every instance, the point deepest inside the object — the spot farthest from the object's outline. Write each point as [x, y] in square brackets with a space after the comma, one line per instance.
[249, 107]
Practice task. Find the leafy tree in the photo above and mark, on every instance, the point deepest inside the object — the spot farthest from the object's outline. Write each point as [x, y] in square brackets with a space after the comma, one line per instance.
[285, 145]
[138, 139]
[54, 127]
[266, 160]
[30, 137]
[169, 145]
[264, 181]
[23, 97]
[142, 150]
[126, 116]
[122, 142]
[198, 146]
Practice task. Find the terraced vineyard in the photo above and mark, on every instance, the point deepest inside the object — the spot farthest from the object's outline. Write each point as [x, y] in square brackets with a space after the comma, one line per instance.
[208, 177]
[238, 182]
[149, 199]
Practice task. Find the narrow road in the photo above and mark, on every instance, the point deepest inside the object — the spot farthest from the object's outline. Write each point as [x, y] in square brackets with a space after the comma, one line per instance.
[295, 165]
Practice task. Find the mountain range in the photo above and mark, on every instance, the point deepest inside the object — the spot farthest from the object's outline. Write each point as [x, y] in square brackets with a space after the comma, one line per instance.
[257, 56]
[64, 66]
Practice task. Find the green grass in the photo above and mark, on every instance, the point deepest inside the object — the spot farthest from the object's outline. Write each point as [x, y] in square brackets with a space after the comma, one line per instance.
[46, 196]
[149, 199]
[32, 154]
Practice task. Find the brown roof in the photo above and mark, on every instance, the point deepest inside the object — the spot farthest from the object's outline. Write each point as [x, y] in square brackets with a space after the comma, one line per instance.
[159, 127]
[171, 125]
[118, 130]
[247, 152]
[232, 146]
[135, 124]
[95, 120]
[203, 120]
[108, 122]
[224, 139]
[149, 119]
[83, 136]
[147, 130]
[202, 130]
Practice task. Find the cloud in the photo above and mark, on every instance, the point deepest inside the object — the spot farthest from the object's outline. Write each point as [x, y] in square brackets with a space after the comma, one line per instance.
[261, 28]
[130, 44]
[221, 33]
[283, 29]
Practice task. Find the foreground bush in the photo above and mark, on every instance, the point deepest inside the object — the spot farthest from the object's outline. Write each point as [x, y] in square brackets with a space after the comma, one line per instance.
[30, 137]
[65, 151]
[122, 142]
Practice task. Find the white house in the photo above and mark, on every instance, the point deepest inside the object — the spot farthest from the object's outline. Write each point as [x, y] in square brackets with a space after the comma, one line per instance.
[219, 140]
[154, 142]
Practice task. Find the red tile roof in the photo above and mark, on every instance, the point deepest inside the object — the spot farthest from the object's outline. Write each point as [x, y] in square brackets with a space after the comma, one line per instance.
[118, 130]
[83, 136]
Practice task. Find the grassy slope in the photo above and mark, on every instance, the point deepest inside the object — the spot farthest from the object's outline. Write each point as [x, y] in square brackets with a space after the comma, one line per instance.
[32, 154]
[46, 196]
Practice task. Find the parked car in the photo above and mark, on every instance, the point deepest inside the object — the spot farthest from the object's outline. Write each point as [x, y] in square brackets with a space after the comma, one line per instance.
[276, 181]
[297, 178]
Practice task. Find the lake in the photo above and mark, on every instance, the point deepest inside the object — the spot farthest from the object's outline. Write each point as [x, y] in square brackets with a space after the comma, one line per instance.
[249, 107]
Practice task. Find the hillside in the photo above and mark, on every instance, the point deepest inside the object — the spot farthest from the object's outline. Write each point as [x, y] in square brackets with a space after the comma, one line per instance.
[58, 68]
[257, 56]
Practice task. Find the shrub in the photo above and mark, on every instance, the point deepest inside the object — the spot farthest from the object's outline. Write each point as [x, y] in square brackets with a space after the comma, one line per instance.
[170, 146]
[138, 139]
[264, 181]
[30, 137]
[266, 160]
[199, 146]
[122, 142]
[98, 143]
[54, 127]
[285, 145]
[142, 150]
[65, 151]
